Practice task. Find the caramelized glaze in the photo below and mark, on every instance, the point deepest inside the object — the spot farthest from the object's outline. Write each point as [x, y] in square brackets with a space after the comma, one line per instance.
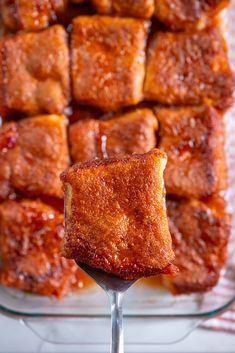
[193, 139]
[31, 235]
[200, 237]
[189, 69]
[34, 153]
[132, 132]
[30, 15]
[188, 14]
[34, 72]
[128, 8]
[108, 58]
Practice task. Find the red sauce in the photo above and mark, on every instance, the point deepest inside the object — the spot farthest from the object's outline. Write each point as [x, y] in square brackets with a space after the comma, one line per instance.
[8, 138]
[83, 281]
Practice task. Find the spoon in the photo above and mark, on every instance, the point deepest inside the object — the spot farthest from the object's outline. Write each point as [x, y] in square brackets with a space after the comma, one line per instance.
[115, 288]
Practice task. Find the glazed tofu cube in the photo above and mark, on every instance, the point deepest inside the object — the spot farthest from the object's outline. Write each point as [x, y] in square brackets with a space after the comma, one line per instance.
[34, 74]
[30, 239]
[30, 15]
[108, 60]
[129, 133]
[200, 236]
[193, 139]
[33, 153]
[128, 8]
[184, 14]
[188, 68]
[126, 233]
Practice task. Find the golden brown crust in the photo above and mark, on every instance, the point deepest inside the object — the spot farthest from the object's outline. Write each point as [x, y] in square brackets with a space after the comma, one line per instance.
[30, 238]
[185, 14]
[127, 8]
[200, 236]
[34, 72]
[189, 69]
[108, 59]
[193, 139]
[129, 133]
[29, 15]
[33, 153]
[126, 233]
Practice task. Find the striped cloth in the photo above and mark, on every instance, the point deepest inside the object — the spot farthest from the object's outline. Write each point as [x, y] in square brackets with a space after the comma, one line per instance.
[225, 290]
[222, 294]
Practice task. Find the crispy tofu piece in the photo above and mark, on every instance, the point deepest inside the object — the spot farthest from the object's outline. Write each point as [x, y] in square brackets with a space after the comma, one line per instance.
[200, 236]
[30, 15]
[34, 72]
[188, 68]
[126, 233]
[193, 139]
[128, 8]
[129, 133]
[108, 60]
[33, 153]
[185, 14]
[30, 238]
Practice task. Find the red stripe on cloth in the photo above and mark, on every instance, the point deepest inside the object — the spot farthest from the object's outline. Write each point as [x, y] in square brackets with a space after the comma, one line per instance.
[222, 318]
[219, 328]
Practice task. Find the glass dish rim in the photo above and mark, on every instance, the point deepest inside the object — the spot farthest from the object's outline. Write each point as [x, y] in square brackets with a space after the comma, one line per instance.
[201, 315]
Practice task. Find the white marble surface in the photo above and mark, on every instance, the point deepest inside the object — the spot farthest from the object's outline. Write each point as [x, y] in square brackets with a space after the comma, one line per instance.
[16, 338]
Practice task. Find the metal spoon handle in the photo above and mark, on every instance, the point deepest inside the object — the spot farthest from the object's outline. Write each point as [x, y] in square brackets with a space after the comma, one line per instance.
[117, 341]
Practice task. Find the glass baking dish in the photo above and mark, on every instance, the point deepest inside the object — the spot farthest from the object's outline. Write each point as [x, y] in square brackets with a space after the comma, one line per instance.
[83, 318]
[69, 320]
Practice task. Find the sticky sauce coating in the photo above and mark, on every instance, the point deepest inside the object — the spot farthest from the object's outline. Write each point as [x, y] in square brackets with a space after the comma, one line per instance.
[193, 139]
[188, 15]
[30, 15]
[34, 72]
[108, 60]
[30, 240]
[133, 132]
[33, 153]
[200, 235]
[189, 69]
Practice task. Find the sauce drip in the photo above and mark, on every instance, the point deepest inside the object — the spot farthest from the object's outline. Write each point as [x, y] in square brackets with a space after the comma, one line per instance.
[104, 146]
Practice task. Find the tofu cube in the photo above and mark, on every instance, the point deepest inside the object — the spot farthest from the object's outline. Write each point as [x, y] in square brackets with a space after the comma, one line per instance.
[126, 233]
[129, 133]
[128, 8]
[30, 15]
[108, 60]
[34, 72]
[184, 14]
[189, 69]
[200, 235]
[193, 139]
[30, 239]
[33, 153]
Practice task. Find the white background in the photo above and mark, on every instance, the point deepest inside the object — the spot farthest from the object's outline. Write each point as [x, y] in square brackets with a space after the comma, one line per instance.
[16, 338]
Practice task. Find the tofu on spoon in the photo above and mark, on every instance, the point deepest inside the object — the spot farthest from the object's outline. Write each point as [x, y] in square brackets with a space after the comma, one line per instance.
[116, 216]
